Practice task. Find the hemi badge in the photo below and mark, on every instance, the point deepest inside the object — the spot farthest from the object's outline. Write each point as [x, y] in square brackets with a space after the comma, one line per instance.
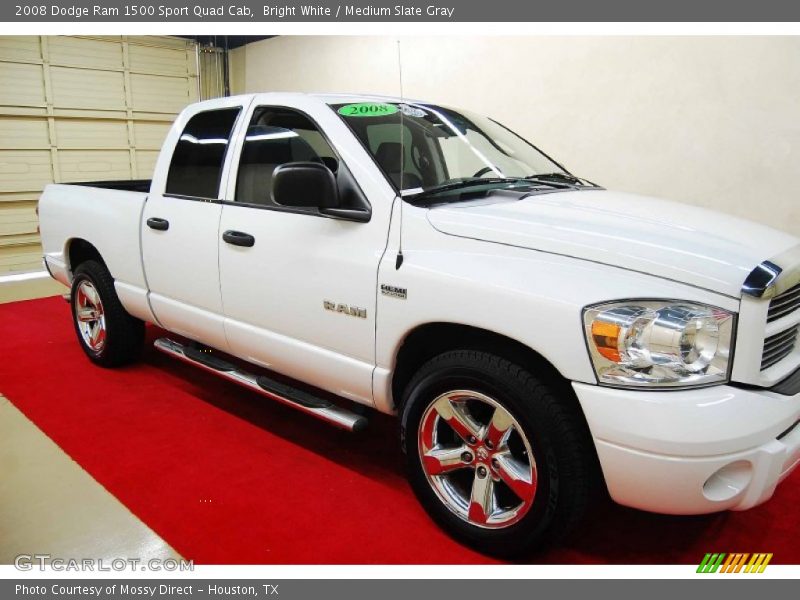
[394, 292]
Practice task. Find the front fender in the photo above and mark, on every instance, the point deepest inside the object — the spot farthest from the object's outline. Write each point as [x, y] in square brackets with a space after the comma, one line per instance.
[533, 297]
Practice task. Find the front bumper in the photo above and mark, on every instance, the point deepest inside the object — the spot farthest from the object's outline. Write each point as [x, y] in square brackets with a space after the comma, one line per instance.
[692, 451]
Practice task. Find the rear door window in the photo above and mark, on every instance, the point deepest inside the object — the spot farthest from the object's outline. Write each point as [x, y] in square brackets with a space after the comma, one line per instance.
[196, 167]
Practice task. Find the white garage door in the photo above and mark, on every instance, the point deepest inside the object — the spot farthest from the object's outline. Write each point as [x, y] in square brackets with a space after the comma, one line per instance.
[81, 109]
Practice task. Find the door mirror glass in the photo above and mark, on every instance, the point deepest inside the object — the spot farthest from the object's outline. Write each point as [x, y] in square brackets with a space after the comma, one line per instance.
[305, 184]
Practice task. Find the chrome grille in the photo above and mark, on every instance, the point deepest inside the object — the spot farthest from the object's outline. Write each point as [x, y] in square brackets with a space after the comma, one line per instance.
[787, 302]
[778, 346]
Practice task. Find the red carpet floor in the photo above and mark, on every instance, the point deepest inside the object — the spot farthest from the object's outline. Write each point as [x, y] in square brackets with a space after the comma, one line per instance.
[228, 477]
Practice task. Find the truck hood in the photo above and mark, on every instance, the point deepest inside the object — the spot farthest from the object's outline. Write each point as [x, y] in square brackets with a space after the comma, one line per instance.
[667, 239]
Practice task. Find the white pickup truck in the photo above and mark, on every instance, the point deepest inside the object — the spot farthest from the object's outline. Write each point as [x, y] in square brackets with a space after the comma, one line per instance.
[535, 334]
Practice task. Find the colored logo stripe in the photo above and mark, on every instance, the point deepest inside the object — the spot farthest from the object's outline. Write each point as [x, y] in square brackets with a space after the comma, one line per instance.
[710, 563]
[736, 562]
[759, 563]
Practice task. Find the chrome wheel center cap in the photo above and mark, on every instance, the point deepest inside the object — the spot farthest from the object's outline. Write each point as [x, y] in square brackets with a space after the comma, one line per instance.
[482, 453]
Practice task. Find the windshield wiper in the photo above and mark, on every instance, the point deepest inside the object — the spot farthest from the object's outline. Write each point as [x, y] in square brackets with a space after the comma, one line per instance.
[464, 183]
[470, 182]
[557, 176]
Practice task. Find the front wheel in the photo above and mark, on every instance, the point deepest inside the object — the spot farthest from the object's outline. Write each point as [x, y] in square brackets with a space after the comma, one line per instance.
[495, 456]
[108, 335]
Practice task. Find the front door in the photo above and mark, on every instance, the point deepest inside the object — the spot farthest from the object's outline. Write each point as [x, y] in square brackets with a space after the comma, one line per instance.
[301, 299]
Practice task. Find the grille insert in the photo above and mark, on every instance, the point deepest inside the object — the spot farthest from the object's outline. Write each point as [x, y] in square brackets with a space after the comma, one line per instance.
[778, 346]
[787, 302]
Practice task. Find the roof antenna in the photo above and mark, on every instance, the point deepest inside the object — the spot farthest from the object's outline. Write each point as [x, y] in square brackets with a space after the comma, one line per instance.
[399, 261]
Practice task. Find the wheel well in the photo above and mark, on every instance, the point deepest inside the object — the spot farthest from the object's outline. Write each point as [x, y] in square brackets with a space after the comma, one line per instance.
[432, 339]
[80, 251]
[429, 340]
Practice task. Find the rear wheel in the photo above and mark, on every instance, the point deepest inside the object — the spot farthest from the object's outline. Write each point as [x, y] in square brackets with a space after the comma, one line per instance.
[494, 455]
[109, 336]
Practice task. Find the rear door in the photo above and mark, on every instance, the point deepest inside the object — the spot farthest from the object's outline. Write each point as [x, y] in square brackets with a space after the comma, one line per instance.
[181, 224]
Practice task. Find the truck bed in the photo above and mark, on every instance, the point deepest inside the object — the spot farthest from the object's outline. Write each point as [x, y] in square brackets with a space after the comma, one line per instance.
[106, 214]
[124, 185]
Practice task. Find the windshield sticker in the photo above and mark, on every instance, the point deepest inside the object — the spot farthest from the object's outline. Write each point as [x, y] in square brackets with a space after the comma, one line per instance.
[412, 111]
[368, 109]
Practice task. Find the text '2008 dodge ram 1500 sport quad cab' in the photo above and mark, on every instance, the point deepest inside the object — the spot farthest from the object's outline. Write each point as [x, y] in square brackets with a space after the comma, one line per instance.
[531, 330]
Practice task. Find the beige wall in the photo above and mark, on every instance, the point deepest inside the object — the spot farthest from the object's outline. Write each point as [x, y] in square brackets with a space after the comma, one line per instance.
[713, 121]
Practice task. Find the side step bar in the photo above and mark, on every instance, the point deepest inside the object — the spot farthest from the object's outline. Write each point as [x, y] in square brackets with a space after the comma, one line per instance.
[302, 401]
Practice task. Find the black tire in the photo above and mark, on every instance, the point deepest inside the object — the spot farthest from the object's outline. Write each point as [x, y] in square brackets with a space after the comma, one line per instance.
[123, 334]
[555, 430]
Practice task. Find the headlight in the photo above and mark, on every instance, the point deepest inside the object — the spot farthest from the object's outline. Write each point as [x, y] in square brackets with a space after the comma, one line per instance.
[659, 343]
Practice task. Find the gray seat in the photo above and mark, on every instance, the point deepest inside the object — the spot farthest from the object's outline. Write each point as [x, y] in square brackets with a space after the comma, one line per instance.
[389, 157]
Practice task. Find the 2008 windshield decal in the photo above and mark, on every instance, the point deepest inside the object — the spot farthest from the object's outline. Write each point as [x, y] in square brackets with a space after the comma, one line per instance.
[368, 109]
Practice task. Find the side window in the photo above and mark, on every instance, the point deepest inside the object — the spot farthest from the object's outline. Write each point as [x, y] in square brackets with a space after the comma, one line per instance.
[274, 137]
[196, 166]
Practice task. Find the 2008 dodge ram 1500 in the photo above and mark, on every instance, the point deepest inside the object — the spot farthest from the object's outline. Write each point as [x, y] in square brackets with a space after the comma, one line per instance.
[531, 330]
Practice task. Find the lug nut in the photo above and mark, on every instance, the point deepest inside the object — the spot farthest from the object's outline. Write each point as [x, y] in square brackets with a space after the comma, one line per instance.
[481, 471]
[489, 444]
[495, 464]
[472, 439]
[466, 457]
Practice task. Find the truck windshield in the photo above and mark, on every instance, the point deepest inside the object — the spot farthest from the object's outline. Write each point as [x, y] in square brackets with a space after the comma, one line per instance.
[423, 148]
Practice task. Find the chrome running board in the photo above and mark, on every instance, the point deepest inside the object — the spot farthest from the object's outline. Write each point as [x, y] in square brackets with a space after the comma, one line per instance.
[299, 399]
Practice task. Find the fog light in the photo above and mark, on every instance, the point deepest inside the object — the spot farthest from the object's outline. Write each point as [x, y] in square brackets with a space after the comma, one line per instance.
[728, 482]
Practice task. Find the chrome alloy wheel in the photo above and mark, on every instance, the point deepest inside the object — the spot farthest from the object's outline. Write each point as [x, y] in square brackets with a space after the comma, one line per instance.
[476, 457]
[90, 316]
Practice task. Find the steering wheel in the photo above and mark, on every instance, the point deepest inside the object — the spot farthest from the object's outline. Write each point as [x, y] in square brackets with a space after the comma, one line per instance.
[483, 171]
[420, 161]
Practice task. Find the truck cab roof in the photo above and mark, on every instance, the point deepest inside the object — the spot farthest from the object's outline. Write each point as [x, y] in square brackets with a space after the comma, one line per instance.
[327, 98]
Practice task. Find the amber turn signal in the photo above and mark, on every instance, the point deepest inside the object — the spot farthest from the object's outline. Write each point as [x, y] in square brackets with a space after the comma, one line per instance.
[606, 338]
